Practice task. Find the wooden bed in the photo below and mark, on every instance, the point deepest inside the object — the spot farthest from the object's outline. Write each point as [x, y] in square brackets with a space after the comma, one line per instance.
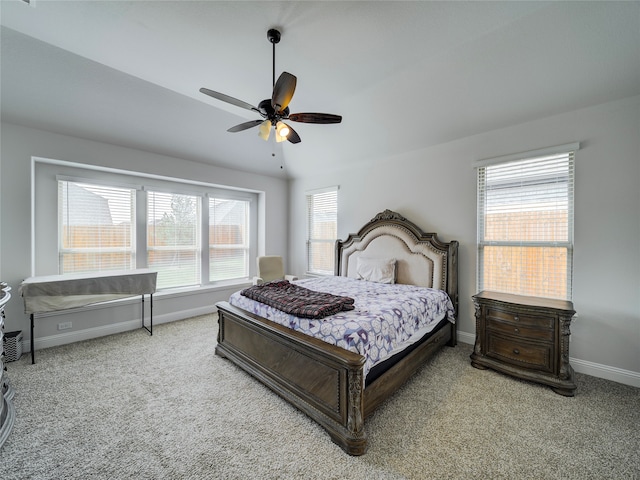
[325, 381]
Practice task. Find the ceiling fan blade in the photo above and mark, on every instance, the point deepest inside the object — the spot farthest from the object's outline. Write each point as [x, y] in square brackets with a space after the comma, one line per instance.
[293, 136]
[228, 99]
[315, 118]
[283, 91]
[244, 126]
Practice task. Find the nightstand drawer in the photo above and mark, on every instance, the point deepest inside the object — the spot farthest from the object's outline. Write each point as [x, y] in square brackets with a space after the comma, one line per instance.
[522, 354]
[520, 330]
[517, 318]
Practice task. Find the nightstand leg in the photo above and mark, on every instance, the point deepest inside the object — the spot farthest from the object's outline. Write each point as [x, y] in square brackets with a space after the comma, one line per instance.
[478, 366]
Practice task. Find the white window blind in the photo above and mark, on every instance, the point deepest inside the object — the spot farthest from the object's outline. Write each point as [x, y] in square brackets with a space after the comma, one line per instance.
[525, 226]
[322, 223]
[228, 239]
[95, 227]
[173, 238]
[107, 219]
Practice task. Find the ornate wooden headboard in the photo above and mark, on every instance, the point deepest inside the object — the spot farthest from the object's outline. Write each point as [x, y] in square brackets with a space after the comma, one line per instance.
[421, 258]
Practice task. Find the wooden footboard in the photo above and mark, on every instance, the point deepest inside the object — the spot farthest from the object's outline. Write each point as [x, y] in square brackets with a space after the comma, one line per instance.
[324, 381]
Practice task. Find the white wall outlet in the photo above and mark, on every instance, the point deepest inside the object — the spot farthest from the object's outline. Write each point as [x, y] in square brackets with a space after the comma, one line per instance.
[65, 325]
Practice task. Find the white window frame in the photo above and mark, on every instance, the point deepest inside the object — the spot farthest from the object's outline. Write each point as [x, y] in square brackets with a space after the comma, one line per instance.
[539, 156]
[89, 187]
[164, 275]
[245, 246]
[44, 209]
[313, 240]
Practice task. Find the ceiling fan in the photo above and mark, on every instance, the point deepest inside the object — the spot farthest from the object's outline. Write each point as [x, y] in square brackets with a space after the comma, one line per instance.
[275, 109]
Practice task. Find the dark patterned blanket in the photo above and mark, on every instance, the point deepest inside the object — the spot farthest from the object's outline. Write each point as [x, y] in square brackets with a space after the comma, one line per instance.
[298, 301]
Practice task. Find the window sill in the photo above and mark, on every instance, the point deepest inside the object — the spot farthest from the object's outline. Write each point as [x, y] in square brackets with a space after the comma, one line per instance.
[185, 291]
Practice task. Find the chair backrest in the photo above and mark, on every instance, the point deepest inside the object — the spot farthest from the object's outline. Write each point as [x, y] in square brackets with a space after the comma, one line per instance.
[270, 267]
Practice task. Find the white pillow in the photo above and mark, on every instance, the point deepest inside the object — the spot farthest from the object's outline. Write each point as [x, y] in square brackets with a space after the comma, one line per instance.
[376, 270]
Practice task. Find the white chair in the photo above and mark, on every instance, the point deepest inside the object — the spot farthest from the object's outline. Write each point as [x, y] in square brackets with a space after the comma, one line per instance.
[271, 267]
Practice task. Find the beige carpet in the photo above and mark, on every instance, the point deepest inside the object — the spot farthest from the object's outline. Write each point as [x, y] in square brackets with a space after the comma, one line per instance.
[166, 407]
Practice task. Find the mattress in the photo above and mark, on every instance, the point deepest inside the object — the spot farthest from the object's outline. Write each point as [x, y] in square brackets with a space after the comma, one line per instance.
[386, 319]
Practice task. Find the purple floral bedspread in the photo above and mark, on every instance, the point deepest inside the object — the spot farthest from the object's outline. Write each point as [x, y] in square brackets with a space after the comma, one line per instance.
[383, 321]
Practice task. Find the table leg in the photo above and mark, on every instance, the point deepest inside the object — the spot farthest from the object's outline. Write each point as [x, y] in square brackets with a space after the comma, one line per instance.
[33, 350]
[150, 328]
[151, 312]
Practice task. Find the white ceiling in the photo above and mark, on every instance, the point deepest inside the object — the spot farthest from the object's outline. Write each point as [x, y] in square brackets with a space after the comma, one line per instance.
[404, 75]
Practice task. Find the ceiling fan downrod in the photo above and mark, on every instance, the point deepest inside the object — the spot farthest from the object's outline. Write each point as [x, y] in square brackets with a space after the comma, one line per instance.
[274, 37]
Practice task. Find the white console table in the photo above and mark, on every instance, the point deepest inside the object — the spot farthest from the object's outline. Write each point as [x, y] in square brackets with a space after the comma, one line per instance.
[61, 292]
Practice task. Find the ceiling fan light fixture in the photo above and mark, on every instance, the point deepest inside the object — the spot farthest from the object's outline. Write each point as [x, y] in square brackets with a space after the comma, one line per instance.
[282, 129]
[265, 130]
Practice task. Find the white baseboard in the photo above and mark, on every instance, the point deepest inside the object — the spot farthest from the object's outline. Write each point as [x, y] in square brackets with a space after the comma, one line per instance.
[95, 332]
[469, 338]
[627, 377]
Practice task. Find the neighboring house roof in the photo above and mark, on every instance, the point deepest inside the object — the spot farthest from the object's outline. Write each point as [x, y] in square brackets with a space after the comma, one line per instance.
[229, 211]
[96, 208]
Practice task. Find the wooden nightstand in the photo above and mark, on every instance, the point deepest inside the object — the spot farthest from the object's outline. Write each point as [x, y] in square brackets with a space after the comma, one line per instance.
[526, 337]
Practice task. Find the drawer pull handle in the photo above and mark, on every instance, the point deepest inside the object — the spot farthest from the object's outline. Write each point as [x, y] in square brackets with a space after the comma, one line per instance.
[516, 351]
[517, 330]
[516, 318]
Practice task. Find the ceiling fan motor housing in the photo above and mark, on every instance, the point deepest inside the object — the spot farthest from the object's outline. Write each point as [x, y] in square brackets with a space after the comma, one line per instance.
[267, 111]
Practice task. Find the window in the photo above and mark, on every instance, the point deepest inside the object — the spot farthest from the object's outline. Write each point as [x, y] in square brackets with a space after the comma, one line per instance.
[173, 238]
[322, 230]
[95, 227]
[192, 233]
[228, 239]
[525, 225]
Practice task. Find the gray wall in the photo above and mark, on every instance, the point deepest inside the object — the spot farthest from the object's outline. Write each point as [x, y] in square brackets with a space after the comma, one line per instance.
[19, 144]
[436, 189]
